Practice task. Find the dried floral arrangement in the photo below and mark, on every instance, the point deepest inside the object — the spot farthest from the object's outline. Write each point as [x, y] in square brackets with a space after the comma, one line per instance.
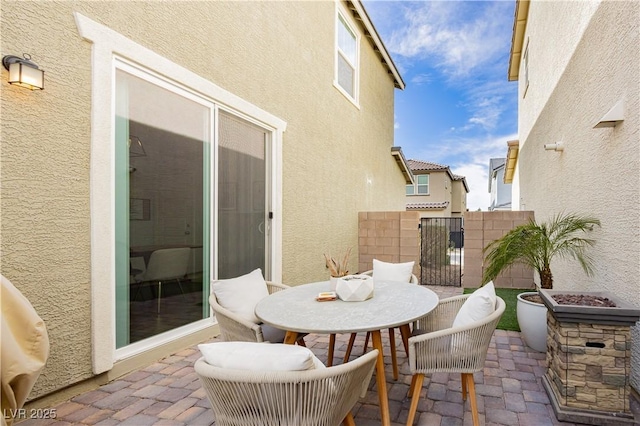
[338, 268]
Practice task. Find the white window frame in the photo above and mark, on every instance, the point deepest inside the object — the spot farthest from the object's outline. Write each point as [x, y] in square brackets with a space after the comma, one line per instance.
[411, 187]
[418, 185]
[107, 47]
[525, 66]
[351, 25]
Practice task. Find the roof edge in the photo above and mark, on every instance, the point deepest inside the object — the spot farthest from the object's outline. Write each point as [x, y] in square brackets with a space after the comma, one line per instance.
[517, 38]
[396, 151]
[513, 148]
[372, 33]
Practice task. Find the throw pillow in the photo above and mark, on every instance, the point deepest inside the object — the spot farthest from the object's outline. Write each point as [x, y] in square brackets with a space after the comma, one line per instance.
[241, 295]
[259, 356]
[392, 271]
[479, 305]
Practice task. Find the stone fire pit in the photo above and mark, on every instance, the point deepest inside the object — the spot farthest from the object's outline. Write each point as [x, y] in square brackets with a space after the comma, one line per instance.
[588, 359]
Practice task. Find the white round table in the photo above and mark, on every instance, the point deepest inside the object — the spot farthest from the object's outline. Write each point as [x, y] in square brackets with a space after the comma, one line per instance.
[393, 304]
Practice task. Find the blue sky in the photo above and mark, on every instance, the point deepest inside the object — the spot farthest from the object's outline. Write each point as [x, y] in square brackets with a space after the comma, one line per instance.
[458, 108]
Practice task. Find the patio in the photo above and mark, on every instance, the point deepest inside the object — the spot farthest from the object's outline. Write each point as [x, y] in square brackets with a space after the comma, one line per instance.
[168, 392]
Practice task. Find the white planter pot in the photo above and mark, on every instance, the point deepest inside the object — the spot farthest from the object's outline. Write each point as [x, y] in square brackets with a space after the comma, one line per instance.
[355, 288]
[333, 282]
[532, 319]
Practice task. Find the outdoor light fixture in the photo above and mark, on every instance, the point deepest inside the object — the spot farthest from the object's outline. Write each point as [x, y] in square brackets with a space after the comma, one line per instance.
[23, 72]
[613, 117]
[558, 146]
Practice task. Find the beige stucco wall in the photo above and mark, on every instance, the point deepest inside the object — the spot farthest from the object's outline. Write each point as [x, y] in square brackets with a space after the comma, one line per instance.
[458, 198]
[440, 190]
[546, 65]
[278, 56]
[598, 173]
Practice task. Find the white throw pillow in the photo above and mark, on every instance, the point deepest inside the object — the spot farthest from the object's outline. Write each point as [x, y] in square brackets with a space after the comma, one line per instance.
[241, 295]
[259, 356]
[385, 271]
[479, 305]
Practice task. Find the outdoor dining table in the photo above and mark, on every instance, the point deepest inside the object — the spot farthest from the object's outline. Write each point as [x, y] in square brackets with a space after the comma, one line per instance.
[393, 304]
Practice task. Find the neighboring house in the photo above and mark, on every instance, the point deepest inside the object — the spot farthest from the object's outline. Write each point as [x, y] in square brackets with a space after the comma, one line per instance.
[228, 128]
[500, 191]
[576, 64]
[436, 191]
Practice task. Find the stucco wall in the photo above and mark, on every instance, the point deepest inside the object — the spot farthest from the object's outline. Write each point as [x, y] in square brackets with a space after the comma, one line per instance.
[550, 48]
[598, 173]
[278, 56]
[440, 190]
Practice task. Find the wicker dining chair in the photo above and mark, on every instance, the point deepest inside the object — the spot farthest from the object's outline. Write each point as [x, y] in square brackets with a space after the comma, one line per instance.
[405, 331]
[319, 397]
[233, 327]
[438, 347]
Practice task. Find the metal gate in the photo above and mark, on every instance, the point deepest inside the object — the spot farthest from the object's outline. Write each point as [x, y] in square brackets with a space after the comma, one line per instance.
[441, 251]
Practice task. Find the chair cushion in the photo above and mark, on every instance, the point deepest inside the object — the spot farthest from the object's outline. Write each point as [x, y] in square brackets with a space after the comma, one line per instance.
[241, 295]
[259, 356]
[392, 271]
[272, 334]
[479, 305]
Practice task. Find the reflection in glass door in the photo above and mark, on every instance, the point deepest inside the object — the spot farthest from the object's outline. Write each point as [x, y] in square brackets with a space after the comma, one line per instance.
[243, 226]
[162, 207]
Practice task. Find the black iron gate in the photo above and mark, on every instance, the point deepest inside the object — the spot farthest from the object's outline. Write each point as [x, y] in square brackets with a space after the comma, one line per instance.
[441, 252]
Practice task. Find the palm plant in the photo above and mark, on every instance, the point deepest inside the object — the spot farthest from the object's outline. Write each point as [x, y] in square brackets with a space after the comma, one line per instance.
[535, 244]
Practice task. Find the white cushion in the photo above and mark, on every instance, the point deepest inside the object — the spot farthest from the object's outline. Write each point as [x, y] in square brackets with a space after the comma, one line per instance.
[259, 356]
[272, 334]
[479, 305]
[392, 271]
[241, 295]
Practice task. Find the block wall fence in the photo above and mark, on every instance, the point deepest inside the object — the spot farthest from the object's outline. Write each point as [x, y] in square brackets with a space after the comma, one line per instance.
[389, 237]
[395, 237]
[481, 228]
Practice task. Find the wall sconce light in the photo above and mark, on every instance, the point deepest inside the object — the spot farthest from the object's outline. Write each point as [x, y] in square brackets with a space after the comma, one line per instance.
[558, 146]
[23, 72]
[613, 117]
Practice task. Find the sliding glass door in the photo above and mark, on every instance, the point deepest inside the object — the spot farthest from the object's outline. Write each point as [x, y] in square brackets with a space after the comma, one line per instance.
[192, 203]
[163, 199]
[243, 221]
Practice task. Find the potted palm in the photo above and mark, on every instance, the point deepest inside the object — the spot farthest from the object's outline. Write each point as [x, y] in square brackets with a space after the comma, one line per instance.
[536, 244]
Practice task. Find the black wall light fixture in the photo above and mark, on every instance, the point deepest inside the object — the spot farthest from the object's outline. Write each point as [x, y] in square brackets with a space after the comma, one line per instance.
[23, 72]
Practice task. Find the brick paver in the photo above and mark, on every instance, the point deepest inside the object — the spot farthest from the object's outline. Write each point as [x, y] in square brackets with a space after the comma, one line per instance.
[168, 392]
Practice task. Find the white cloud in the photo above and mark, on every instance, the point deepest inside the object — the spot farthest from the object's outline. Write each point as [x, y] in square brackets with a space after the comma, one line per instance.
[441, 33]
[470, 158]
[421, 79]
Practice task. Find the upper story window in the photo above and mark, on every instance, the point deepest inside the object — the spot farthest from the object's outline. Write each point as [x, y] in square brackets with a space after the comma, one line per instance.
[525, 59]
[421, 187]
[347, 57]
[423, 184]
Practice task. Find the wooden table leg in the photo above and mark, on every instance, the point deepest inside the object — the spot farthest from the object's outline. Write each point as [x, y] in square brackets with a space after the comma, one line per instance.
[405, 331]
[381, 381]
[290, 337]
[392, 346]
[332, 345]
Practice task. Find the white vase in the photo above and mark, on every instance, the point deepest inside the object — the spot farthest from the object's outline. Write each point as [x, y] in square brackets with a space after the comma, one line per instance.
[355, 288]
[333, 282]
[532, 319]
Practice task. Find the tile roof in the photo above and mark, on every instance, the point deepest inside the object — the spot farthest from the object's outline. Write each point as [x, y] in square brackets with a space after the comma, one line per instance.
[425, 166]
[427, 206]
[416, 165]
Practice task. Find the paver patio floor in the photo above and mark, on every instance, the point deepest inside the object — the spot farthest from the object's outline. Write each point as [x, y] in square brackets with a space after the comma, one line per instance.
[168, 392]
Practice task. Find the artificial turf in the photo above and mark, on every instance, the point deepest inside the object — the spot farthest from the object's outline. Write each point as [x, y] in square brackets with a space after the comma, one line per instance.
[509, 320]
